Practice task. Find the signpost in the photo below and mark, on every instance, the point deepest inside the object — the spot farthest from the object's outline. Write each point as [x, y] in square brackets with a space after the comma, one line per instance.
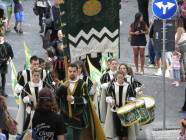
[164, 9]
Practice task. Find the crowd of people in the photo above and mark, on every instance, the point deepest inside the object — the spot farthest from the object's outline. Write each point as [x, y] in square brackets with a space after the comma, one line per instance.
[174, 60]
[65, 109]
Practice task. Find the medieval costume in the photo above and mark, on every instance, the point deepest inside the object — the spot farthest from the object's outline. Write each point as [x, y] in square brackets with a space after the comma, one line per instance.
[24, 77]
[52, 81]
[27, 104]
[105, 80]
[132, 81]
[118, 94]
[79, 115]
[91, 89]
[107, 77]
[6, 54]
[60, 52]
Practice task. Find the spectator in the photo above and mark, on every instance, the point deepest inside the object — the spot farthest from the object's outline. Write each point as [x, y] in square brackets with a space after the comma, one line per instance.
[143, 6]
[183, 13]
[6, 54]
[151, 46]
[58, 12]
[43, 8]
[46, 123]
[182, 47]
[183, 109]
[176, 67]
[3, 21]
[183, 128]
[19, 16]
[137, 31]
[3, 128]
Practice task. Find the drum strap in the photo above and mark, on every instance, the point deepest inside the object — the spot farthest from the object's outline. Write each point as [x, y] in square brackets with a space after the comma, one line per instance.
[120, 95]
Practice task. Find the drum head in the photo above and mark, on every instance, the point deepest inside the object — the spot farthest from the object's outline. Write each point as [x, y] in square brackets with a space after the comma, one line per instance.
[126, 108]
[139, 102]
[149, 101]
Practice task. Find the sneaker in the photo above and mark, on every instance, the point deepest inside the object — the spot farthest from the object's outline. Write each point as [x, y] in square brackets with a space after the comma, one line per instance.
[173, 83]
[21, 31]
[151, 66]
[159, 72]
[15, 29]
[167, 74]
[177, 84]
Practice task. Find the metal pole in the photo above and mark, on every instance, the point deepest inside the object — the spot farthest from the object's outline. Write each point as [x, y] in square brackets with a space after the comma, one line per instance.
[164, 63]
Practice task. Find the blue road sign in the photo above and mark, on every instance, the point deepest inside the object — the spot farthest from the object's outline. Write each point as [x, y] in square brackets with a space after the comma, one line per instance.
[164, 9]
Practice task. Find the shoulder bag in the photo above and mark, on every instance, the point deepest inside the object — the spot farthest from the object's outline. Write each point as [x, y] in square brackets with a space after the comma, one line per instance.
[10, 123]
[28, 133]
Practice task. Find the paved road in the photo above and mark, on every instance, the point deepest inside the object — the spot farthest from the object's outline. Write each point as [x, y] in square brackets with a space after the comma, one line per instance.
[153, 84]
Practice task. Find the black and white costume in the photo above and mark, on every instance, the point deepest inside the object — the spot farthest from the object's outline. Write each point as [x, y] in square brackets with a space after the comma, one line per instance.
[105, 80]
[26, 105]
[107, 77]
[91, 89]
[24, 77]
[117, 94]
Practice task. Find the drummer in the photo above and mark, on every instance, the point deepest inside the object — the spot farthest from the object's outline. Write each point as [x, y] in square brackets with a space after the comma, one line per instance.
[136, 85]
[118, 94]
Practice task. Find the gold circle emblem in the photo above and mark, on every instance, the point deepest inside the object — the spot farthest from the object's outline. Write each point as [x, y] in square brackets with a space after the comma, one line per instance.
[92, 7]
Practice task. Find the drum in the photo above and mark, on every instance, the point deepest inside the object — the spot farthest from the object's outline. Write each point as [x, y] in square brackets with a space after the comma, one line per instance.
[128, 114]
[150, 105]
[141, 108]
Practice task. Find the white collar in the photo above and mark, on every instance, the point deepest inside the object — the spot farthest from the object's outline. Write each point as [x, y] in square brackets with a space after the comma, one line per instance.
[36, 84]
[73, 81]
[80, 76]
[124, 84]
[127, 76]
[111, 72]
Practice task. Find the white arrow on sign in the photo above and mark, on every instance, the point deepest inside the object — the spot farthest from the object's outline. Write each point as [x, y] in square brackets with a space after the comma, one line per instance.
[160, 5]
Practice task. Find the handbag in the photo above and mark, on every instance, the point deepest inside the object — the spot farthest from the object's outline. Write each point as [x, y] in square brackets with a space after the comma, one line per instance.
[10, 123]
[28, 134]
[182, 39]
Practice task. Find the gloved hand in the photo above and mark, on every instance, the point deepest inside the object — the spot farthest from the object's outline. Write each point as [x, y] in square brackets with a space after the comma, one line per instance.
[18, 88]
[26, 99]
[110, 100]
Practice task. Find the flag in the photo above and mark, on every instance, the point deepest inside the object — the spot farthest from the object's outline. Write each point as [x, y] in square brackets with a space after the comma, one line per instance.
[14, 81]
[95, 74]
[103, 63]
[27, 57]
